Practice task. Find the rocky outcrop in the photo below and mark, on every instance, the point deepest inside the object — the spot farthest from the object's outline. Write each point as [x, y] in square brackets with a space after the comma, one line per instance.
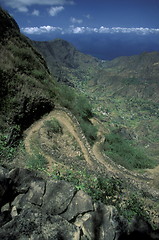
[39, 209]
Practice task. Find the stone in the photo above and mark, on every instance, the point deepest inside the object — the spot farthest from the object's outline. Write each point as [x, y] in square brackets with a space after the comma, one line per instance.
[22, 179]
[80, 204]
[6, 185]
[36, 209]
[55, 227]
[32, 224]
[101, 224]
[57, 197]
[5, 207]
[36, 192]
[14, 212]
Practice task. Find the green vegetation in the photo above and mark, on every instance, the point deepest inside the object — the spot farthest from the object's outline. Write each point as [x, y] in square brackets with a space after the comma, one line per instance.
[125, 154]
[53, 126]
[100, 188]
[79, 105]
[134, 206]
[105, 189]
[7, 152]
[36, 161]
[29, 91]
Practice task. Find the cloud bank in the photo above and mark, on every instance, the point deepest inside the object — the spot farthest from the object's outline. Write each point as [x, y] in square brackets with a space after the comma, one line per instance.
[87, 30]
[41, 30]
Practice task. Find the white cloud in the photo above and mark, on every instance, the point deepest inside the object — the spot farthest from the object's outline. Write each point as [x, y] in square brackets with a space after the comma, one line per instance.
[75, 20]
[36, 12]
[24, 4]
[53, 11]
[86, 30]
[77, 30]
[40, 30]
[113, 30]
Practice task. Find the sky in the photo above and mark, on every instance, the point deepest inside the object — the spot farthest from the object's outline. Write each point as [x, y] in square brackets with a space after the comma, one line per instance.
[103, 28]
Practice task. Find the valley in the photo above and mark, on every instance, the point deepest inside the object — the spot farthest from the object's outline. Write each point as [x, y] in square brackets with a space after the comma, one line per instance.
[69, 118]
[123, 92]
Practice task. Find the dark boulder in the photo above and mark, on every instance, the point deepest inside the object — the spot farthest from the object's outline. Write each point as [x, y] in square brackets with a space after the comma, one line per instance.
[38, 209]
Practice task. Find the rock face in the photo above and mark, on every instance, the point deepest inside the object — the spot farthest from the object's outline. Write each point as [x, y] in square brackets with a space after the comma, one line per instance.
[39, 209]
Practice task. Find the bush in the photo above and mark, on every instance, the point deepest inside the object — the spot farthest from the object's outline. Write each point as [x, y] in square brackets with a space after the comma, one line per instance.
[7, 153]
[81, 108]
[89, 130]
[123, 153]
[36, 161]
[38, 74]
[134, 206]
[53, 126]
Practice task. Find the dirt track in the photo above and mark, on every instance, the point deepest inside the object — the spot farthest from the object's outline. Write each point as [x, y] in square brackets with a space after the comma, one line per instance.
[140, 181]
[66, 122]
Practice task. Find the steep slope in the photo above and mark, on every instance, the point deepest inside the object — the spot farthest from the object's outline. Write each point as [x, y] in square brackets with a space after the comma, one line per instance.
[135, 76]
[66, 62]
[27, 88]
[140, 72]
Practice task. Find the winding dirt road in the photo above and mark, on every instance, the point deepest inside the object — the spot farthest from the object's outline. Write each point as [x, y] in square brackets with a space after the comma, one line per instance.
[94, 156]
[66, 122]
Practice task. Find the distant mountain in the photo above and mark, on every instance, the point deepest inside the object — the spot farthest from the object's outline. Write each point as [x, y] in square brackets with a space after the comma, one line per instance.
[141, 72]
[65, 61]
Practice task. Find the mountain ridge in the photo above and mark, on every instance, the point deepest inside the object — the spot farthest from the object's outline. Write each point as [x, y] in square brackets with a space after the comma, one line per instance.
[30, 92]
[133, 70]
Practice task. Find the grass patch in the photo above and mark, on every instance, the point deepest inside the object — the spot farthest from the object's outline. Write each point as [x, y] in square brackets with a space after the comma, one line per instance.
[124, 153]
[7, 152]
[36, 161]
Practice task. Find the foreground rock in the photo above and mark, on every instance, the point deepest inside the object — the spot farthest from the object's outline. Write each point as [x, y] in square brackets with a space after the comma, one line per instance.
[38, 209]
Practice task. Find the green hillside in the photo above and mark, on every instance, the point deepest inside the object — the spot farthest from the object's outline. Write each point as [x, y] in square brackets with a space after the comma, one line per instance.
[124, 92]
[79, 119]
[28, 89]
[26, 83]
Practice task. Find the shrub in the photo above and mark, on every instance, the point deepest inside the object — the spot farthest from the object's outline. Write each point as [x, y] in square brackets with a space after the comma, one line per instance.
[36, 161]
[38, 74]
[81, 108]
[89, 130]
[125, 154]
[7, 152]
[53, 126]
[134, 206]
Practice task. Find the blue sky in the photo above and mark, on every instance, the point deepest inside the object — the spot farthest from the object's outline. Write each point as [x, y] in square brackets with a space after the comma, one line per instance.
[96, 27]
